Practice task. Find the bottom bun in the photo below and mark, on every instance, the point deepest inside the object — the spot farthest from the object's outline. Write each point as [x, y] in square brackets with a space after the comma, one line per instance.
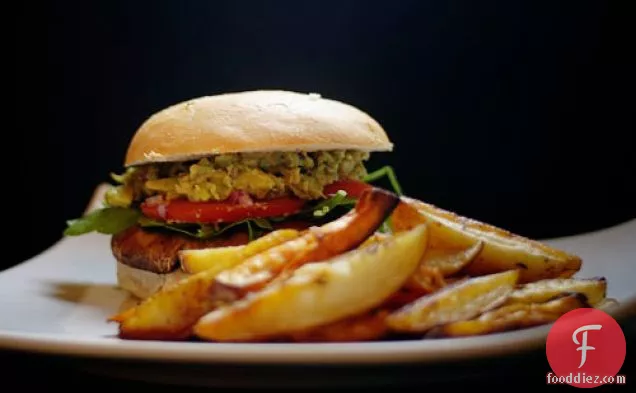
[144, 283]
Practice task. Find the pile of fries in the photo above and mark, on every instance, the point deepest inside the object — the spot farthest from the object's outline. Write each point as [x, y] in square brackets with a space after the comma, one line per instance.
[435, 274]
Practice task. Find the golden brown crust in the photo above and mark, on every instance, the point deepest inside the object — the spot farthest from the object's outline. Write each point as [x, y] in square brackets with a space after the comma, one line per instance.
[264, 120]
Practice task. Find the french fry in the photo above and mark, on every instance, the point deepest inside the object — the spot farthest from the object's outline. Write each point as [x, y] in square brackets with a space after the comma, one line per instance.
[222, 258]
[450, 262]
[316, 244]
[402, 297]
[319, 293]
[511, 317]
[218, 258]
[366, 327]
[268, 241]
[607, 304]
[375, 238]
[415, 289]
[460, 301]
[501, 251]
[541, 291]
[430, 276]
[426, 279]
[171, 313]
[122, 316]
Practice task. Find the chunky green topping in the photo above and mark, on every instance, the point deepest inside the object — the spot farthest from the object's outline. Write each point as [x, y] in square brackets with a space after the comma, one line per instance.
[261, 175]
[114, 219]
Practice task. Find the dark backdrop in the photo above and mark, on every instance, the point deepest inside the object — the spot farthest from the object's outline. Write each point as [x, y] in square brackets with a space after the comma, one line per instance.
[516, 113]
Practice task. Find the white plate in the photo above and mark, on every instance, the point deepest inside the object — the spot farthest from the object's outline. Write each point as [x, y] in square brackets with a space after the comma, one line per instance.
[58, 302]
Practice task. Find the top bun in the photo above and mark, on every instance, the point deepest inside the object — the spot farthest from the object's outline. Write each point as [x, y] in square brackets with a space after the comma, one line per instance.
[253, 121]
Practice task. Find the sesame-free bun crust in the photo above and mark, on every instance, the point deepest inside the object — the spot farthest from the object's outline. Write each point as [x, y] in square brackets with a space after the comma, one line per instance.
[253, 121]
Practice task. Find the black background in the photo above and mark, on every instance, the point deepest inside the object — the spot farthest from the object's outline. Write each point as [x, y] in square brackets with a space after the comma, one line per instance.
[518, 113]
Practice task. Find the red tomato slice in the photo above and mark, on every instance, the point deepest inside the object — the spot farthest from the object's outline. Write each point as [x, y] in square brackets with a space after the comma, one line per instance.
[353, 188]
[218, 212]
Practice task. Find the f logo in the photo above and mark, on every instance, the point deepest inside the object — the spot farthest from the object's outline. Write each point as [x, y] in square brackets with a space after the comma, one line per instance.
[584, 347]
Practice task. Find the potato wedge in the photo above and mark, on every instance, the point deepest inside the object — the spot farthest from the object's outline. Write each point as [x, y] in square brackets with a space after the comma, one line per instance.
[425, 280]
[365, 327]
[450, 262]
[607, 304]
[402, 297]
[315, 244]
[319, 293]
[461, 301]
[171, 313]
[594, 289]
[512, 317]
[437, 265]
[218, 258]
[375, 238]
[221, 258]
[502, 250]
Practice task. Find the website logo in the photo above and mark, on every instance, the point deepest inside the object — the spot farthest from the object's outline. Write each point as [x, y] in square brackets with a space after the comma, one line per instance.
[585, 348]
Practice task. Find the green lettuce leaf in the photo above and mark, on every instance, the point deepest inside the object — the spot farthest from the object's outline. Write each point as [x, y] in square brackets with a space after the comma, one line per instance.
[112, 220]
[255, 227]
[107, 220]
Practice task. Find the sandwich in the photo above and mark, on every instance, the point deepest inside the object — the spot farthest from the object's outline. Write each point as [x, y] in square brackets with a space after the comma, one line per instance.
[223, 170]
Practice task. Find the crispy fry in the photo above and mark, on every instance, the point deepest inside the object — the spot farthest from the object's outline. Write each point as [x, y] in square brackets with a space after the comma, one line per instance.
[375, 238]
[541, 291]
[502, 250]
[319, 293]
[426, 279]
[122, 316]
[171, 313]
[607, 304]
[436, 265]
[512, 316]
[315, 244]
[366, 327]
[402, 297]
[463, 300]
[450, 262]
[221, 258]
[218, 258]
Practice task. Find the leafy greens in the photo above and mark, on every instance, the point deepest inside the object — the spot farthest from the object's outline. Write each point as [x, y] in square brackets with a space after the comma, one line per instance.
[108, 220]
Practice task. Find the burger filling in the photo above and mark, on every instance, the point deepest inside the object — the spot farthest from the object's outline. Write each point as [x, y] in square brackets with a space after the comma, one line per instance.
[204, 198]
[241, 177]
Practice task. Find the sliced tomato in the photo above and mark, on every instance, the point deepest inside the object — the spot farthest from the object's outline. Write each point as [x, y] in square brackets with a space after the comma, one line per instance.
[353, 188]
[219, 212]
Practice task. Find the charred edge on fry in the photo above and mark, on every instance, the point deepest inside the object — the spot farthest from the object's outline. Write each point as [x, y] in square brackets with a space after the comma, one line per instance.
[579, 296]
[386, 200]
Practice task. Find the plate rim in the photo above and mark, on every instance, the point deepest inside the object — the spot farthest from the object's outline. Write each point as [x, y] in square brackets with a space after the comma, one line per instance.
[387, 352]
[374, 352]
